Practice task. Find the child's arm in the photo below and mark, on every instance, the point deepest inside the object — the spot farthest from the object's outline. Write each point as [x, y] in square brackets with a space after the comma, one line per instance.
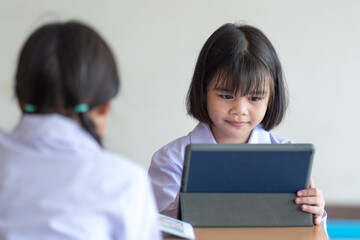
[165, 177]
[312, 201]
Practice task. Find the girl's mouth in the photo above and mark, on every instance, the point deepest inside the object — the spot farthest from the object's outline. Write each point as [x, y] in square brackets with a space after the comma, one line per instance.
[237, 124]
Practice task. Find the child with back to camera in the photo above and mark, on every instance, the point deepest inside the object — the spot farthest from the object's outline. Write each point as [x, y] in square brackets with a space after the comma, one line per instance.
[238, 94]
[56, 180]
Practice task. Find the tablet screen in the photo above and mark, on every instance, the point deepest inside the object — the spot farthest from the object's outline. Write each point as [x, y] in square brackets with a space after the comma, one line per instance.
[247, 168]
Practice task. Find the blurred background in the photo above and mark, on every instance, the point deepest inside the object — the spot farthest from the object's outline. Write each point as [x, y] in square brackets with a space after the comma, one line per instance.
[156, 44]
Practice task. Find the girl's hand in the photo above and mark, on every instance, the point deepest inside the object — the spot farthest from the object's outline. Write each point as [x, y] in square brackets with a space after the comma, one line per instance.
[312, 201]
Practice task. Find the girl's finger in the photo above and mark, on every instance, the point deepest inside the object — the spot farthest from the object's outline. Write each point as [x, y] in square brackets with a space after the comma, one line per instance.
[312, 192]
[317, 220]
[316, 210]
[311, 184]
[318, 201]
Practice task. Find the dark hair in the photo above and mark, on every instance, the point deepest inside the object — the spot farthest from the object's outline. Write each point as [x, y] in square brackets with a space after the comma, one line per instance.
[240, 58]
[62, 65]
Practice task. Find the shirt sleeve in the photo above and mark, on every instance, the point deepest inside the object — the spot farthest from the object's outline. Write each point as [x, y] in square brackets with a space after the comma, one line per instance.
[323, 220]
[165, 177]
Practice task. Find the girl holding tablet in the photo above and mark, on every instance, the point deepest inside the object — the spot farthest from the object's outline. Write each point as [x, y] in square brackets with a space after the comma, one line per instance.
[238, 95]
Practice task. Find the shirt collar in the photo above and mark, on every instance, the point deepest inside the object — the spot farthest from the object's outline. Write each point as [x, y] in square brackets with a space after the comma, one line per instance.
[259, 135]
[55, 128]
[202, 134]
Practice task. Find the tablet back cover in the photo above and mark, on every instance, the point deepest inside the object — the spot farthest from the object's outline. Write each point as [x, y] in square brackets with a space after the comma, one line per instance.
[229, 185]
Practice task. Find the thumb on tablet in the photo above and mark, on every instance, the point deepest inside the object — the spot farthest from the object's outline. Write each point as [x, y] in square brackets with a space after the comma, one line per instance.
[311, 184]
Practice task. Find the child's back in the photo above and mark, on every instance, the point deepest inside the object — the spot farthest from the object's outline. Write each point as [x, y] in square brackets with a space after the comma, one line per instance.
[56, 180]
[58, 183]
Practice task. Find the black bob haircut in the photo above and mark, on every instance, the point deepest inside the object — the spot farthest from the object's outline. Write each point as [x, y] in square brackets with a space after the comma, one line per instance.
[241, 59]
[62, 65]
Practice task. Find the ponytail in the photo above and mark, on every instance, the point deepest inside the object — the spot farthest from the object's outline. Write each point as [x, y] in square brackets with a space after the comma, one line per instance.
[82, 109]
[89, 126]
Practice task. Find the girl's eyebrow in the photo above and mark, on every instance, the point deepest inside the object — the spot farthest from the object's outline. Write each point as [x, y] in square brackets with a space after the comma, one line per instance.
[255, 92]
[258, 92]
[223, 90]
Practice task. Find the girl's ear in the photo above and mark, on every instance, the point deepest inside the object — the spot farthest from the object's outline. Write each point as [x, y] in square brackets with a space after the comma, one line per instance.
[99, 116]
[104, 109]
[21, 105]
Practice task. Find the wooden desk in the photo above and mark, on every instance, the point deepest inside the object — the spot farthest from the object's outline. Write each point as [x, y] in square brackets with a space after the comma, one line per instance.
[279, 233]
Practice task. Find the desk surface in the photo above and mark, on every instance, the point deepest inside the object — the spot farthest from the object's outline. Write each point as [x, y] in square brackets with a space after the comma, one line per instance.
[278, 233]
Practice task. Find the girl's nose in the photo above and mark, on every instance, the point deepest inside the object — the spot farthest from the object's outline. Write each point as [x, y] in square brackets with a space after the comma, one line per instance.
[239, 107]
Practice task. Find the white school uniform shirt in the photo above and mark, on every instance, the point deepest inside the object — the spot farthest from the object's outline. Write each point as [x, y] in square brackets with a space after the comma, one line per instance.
[167, 164]
[56, 182]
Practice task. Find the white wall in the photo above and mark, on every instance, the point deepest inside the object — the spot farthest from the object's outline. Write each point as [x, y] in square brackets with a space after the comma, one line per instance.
[157, 42]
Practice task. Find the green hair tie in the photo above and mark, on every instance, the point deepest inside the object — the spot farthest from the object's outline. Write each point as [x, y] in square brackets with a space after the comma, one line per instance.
[29, 108]
[81, 108]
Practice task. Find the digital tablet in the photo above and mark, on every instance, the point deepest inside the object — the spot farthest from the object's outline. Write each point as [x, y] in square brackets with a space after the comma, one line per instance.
[247, 168]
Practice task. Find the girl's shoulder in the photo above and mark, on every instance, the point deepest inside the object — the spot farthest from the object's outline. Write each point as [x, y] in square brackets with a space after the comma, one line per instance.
[176, 148]
[260, 135]
[112, 162]
[277, 139]
[173, 150]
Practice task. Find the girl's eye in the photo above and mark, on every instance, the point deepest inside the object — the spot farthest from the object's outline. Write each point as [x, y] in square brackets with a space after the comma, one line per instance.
[254, 99]
[226, 96]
